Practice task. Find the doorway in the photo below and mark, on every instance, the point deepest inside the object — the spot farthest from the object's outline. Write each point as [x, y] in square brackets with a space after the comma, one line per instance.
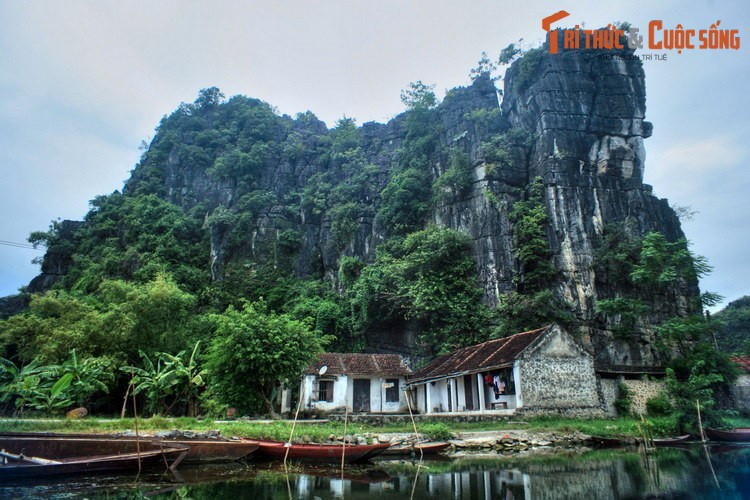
[361, 395]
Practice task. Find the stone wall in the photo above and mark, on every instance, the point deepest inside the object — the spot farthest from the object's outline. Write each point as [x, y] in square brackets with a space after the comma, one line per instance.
[383, 419]
[741, 392]
[642, 391]
[557, 377]
[609, 388]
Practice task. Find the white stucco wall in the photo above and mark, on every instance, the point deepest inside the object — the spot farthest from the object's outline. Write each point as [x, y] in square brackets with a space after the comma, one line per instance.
[310, 388]
[343, 394]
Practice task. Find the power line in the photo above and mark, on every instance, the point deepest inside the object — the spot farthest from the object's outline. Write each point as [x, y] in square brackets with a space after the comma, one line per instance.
[26, 246]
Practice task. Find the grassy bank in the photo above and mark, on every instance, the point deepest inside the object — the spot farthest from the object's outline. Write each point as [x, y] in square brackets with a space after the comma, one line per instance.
[320, 431]
[280, 430]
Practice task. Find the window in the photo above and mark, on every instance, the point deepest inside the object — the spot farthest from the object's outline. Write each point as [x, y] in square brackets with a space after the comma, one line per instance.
[391, 390]
[325, 391]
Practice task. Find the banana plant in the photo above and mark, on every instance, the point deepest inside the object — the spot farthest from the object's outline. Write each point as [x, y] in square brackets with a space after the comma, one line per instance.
[52, 398]
[152, 381]
[172, 380]
[189, 378]
[90, 375]
[34, 386]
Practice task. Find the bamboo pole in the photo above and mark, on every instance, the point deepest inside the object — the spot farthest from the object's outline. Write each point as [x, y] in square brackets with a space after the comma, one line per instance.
[125, 402]
[343, 441]
[705, 446]
[700, 423]
[288, 444]
[135, 416]
[414, 424]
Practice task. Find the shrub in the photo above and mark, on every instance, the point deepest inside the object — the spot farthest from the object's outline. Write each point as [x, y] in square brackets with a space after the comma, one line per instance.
[437, 431]
[659, 406]
[624, 401]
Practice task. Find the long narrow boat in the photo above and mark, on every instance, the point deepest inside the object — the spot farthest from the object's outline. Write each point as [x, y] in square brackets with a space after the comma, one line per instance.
[25, 459]
[200, 450]
[741, 435]
[671, 441]
[321, 452]
[414, 449]
[612, 442]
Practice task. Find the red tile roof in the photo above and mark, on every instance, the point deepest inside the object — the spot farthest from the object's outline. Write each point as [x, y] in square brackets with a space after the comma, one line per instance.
[360, 364]
[481, 357]
[743, 361]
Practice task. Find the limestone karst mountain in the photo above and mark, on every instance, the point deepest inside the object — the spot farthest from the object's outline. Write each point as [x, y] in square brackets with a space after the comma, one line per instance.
[299, 198]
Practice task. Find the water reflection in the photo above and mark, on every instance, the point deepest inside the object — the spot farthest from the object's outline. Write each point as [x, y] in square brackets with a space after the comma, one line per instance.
[606, 474]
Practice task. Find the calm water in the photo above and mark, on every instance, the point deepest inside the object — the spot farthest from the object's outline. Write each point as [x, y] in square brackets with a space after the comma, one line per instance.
[604, 474]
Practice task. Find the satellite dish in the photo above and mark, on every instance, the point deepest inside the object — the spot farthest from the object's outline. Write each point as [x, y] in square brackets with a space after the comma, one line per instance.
[323, 370]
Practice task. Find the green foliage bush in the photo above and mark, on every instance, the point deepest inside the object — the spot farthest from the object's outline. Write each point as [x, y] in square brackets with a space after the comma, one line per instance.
[252, 350]
[624, 401]
[533, 253]
[517, 312]
[457, 179]
[437, 431]
[527, 68]
[405, 202]
[659, 406]
[428, 278]
[734, 334]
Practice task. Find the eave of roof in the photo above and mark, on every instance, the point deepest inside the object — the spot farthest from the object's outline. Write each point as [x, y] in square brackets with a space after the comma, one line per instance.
[743, 362]
[359, 364]
[487, 356]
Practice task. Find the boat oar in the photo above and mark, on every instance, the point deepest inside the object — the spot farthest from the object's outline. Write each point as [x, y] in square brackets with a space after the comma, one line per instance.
[22, 457]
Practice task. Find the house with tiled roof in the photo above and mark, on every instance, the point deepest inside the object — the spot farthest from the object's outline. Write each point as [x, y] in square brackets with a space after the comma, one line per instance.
[741, 387]
[544, 370]
[365, 383]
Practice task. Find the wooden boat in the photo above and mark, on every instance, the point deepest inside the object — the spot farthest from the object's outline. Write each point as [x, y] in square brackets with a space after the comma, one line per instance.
[200, 450]
[321, 452]
[414, 449]
[29, 458]
[215, 450]
[612, 442]
[673, 441]
[741, 435]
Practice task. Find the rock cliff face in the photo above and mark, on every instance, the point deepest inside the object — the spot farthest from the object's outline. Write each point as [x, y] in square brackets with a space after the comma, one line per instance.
[579, 125]
[587, 114]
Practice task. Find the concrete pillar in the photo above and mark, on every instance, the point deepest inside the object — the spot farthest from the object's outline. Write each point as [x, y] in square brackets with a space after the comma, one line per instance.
[454, 392]
[480, 391]
[517, 383]
[429, 397]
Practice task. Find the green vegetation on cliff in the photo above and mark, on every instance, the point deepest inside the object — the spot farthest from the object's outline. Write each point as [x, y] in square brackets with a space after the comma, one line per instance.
[245, 242]
[734, 334]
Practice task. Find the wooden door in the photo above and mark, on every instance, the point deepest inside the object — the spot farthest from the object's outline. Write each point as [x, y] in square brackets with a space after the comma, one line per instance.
[361, 394]
[469, 391]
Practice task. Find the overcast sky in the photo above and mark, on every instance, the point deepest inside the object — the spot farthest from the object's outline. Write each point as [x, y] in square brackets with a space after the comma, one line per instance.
[82, 83]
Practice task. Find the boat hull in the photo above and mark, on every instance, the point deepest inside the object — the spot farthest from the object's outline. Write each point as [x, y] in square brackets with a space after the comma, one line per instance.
[321, 452]
[733, 436]
[425, 448]
[73, 462]
[200, 450]
[674, 441]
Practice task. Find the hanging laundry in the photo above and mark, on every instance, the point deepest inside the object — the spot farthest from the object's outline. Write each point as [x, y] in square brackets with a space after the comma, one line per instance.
[496, 385]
